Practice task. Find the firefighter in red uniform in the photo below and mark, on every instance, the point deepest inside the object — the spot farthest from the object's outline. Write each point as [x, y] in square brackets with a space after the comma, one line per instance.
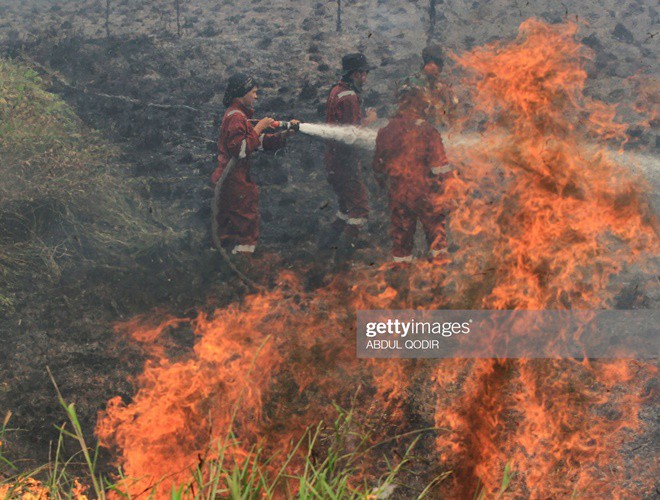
[236, 200]
[342, 161]
[410, 153]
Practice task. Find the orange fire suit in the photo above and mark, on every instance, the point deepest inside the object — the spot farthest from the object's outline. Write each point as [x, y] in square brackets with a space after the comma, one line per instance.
[342, 162]
[410, 151]
[236, 202]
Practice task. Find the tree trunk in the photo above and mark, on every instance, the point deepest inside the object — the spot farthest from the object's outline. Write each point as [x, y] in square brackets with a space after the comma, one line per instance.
[431, 18]
[107, 18]
[177, 6]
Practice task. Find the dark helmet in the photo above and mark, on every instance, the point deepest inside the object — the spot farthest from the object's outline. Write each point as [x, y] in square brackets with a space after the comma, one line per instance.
[433, 53]
[354, 62]
[238, 85]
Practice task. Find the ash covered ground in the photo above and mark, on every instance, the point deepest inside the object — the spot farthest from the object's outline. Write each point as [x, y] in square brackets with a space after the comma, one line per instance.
[294, 50]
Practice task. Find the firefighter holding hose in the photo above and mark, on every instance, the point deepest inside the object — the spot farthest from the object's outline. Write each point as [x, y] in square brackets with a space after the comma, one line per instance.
[236, 198]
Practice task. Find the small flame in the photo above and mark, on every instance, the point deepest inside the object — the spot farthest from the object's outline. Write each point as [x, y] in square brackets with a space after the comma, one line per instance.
[28, 489]
[31, 489]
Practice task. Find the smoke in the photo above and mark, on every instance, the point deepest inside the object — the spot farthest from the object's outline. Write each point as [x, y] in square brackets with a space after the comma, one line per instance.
[348, 134]
[366, 138]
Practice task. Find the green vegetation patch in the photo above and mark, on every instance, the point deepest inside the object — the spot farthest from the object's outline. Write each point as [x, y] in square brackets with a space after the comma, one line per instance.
[64, 198]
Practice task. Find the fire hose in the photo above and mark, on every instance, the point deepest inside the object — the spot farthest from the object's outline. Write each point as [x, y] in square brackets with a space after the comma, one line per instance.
[249, 284]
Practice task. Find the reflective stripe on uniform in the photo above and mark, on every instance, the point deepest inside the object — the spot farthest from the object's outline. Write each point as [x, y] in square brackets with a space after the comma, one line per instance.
[345, 93]
[444, 169]
[243, 249]
[351, 221]
[407, 258]
[234, 111]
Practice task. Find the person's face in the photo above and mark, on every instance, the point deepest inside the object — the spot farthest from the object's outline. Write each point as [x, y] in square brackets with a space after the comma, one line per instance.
[250, 98]
[431, 68]
[360, 78]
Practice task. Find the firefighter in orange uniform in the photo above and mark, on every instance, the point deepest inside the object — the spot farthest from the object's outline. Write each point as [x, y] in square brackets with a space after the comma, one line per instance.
[236, 200]
[342, 161]
[410, 153]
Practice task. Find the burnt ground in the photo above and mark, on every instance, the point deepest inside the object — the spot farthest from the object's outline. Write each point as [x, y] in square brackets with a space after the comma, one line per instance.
[294, 51]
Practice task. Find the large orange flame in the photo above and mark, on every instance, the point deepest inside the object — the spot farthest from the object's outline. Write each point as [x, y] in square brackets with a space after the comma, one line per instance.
[555, 218]
[543, 218]
[250, 367]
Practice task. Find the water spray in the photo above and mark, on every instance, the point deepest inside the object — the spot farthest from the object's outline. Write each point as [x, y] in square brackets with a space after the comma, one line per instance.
[348, 134]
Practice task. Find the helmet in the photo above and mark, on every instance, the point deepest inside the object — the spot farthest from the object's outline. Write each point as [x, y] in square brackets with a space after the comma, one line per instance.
[433, 53]
[354, 62]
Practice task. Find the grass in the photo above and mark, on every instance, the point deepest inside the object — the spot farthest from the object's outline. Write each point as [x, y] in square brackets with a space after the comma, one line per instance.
[64, 197]
[507, 476]
[332, 475]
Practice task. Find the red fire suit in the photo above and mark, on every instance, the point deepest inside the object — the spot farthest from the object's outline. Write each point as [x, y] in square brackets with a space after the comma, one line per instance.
[236, 202]
[342, 161]
[410, 151]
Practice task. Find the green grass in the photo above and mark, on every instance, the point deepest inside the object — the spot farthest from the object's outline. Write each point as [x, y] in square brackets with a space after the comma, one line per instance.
[329, 476]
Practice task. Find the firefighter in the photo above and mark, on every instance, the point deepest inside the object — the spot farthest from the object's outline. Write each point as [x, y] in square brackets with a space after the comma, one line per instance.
[441, 103]
[410, 154]
[342, 161]
[236, 199]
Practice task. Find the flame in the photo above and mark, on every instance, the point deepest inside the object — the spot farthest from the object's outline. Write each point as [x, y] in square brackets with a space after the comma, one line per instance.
[30, 488]
[275, 345]
[543, 218]
[556, 218]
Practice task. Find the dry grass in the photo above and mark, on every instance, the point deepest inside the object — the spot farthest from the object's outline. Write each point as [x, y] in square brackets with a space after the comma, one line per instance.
[64, 198]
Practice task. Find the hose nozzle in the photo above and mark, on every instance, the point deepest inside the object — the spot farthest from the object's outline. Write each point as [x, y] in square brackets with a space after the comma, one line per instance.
[287, 125]
[280, 124]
